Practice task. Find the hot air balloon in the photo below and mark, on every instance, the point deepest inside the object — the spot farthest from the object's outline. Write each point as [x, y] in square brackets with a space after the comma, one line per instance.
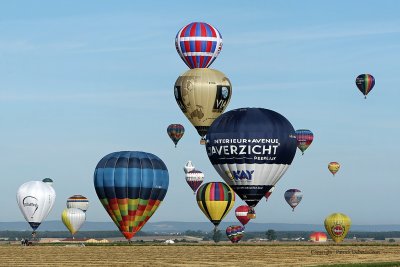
[48, 181]
[131, 185]
[241, 213]
[251, 148]
[188, 167]
[215, 200]
[365, 83]
[304, 139]
[202, 95]
[79, 202]
[337, 225]
[73, 219]
[35, 200]
[269, 193]
[235, 233]
[194, 179]
[318, 237]
[198, 44]
[175, 132]
[293, 197]
[333, 167]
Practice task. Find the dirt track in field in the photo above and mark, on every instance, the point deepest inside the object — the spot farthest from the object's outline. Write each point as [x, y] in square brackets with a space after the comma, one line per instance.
[196, 255]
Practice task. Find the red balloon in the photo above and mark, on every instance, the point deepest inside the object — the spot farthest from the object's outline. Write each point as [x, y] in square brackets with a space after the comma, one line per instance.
[241, 214]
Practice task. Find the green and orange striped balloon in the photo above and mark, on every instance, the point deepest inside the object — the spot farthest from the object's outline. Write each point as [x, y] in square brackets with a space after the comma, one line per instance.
[365, 83]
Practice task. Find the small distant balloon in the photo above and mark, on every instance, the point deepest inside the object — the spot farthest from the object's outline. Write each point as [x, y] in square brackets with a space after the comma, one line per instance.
[241, 213]
[235, 233]
[79, 202]
[318, 237]
[194, 179]
[365, 83]
[337, 225]
[304, 139]
[293, 197]
[175, 132]
[188, 167]
[198, 44]
[47, 181]
[73, 219]
[333, 167]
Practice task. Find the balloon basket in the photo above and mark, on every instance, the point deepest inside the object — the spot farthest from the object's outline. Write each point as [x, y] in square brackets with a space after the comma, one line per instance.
[202, 142]
[251, 214]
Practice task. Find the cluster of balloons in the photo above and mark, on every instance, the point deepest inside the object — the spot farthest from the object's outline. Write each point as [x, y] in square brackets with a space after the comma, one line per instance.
[74, 215]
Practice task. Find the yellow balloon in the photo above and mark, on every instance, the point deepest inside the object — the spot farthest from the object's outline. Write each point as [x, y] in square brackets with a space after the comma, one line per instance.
[202, 95]
[337, 225]
[334, 167]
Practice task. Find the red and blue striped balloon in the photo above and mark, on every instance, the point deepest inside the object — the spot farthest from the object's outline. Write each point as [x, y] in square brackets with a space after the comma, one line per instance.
[198, 44]
[235, 233]
[175, 132]
[304, 139]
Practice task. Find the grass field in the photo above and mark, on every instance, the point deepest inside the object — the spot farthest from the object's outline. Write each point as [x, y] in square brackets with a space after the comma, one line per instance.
[198, 255]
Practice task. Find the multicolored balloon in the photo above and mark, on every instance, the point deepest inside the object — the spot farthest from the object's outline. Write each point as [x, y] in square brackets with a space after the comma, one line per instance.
[251, 156]
[78, 202]
[318, 237]
[175, 132]
[194, 179]
[235, 233]
[365, 83]
[337, 225]
[188, 167]
[215, 200]
[269, 193]
[293, 197]
[73, 219]
[198, 44]
[333, 167]
[131, 186]
[304, 139]
[241, 213]
[202, 95]
[35, 200]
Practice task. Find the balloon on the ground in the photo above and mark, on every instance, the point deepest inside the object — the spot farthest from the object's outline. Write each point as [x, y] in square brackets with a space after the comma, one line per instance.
[269, 193]
[235, 233]
[304, 139]
[198, 44]
[188, 167]
[35, 200]
[78, 202]
[202, 95]
[293, 197]
[175, 132]
[131, 186]
[333, 167]
[48, 181]
[251, 148]
[365, 83]
[318, 237]
[194, 179]
[215, 200]
[337, 225]
[73, 219]
[241, 213]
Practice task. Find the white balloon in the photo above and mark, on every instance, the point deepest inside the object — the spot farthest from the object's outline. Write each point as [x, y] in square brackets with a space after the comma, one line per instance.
[73, 219]
[78, 202]
[35, 200]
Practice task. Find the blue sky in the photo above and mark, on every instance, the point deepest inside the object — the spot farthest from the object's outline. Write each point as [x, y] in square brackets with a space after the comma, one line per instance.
[81, 79]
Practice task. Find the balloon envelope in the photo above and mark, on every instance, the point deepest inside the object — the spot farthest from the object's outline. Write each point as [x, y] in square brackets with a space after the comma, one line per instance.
[269, 193]
[337, 225]
[175, 132]
[198, 44]
[202, 95]
[194, 179]
[78, 202]
[215, 200]
[241, 214]
[188, 167]
[35, 200]
[304, 139]
[131, 185]
[365, 83]
[235, 233]
[293, 197]
[73, 219]
[333, 167]
[318, 237]
[251, 148]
